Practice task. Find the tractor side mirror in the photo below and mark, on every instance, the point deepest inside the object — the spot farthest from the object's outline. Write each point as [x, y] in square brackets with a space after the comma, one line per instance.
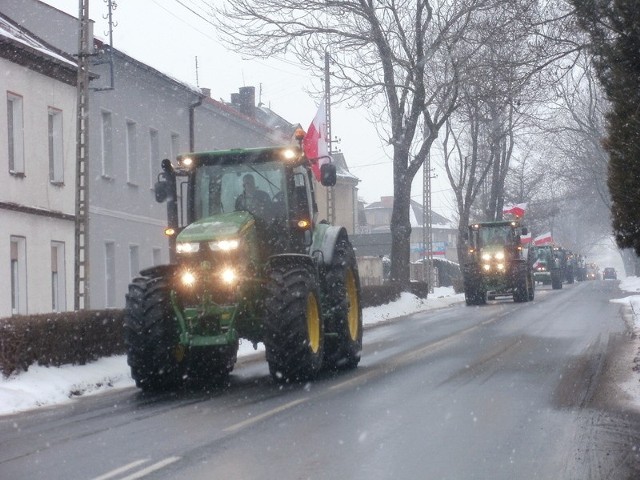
[161, 189]
[328, 174]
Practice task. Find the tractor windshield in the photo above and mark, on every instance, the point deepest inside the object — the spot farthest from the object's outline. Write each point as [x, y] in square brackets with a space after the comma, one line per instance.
[257, 188]
[496, 235]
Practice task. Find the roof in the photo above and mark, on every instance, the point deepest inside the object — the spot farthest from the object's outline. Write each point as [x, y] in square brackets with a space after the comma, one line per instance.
[342, 170]
[416, 213]
[24, 48]
[101, 45]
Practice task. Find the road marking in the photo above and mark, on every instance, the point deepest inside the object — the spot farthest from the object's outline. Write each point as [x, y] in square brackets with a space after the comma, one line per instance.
[122, 469]
[355, 380]
[262, 416]
[152, 468]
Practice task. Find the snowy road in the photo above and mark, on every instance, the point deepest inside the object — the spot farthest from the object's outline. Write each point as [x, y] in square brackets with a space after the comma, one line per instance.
[501, 391]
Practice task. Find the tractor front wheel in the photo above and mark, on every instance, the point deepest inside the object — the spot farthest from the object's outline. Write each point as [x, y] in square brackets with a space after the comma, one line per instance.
[475, 293]
[151, 335]
[293, 327]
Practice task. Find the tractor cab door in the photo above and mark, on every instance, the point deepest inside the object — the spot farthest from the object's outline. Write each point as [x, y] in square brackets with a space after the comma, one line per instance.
[301, 211]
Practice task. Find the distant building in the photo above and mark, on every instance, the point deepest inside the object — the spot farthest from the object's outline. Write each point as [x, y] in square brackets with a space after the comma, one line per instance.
[375, 238]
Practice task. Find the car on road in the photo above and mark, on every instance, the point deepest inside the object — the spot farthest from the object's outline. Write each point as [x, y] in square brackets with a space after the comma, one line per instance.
[609, 273]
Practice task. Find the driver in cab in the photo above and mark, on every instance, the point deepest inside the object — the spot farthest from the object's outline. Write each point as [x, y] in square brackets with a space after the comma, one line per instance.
[252, 199]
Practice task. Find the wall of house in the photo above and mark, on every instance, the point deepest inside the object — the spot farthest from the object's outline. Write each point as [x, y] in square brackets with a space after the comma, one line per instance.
[33, 189]
[218, 128]
[345, 201]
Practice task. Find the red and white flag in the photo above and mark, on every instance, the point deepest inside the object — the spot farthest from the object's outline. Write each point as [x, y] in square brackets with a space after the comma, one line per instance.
[315, 141]
[517, 209]
[525, 239]
[543, 239]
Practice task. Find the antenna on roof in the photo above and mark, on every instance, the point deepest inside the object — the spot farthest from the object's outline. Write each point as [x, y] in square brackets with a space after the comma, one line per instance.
[197, 79]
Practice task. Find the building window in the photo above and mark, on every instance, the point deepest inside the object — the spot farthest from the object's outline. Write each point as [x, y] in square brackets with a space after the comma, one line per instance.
[110, 274]
[56, 151]
[132, 154]
[18, 275]
[134, 260]
[157, 256]
[154, 156]
[107, 145]
[15, 131]
[58, 278]
[175, 145]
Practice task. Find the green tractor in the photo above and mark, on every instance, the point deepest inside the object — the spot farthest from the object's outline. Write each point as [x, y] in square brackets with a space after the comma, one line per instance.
[549, 266]
[571, 266]
[497, 264]
[249, 261]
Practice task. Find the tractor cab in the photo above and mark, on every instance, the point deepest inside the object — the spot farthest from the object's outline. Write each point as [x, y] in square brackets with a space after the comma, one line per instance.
[266, 188]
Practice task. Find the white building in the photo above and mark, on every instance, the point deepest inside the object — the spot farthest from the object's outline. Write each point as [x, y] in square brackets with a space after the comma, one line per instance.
[37, 173]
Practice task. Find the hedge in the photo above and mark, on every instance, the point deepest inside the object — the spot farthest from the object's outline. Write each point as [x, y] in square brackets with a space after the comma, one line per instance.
[59, 338]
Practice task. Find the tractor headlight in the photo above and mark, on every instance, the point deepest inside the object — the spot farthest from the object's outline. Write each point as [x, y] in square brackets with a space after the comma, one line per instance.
[288, 154]
[500, 256]
[188, 279]
[501, 266]
[224, 245]
[187, 247]
[229, 276]
[486, 257]
[486, 267]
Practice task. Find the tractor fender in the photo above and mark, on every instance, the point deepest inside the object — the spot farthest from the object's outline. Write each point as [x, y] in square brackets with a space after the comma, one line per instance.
[325, 239]
[159, 270]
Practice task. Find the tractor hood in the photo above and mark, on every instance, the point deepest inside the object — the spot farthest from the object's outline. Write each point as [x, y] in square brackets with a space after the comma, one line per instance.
[224, 226]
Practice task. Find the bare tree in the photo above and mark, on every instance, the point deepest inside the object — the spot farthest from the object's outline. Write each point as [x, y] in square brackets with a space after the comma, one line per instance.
[404, 59]
[577, 160]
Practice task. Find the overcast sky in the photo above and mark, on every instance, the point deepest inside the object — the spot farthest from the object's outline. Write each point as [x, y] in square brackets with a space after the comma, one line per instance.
[169, 34]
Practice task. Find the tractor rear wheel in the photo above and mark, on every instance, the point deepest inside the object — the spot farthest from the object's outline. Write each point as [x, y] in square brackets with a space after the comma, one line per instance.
[293, 327]
[342, 300]
[151, 335]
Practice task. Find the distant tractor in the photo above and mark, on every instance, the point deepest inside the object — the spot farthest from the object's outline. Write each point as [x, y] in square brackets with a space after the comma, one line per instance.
[581, 274]
[549, 265]
[571, 267]
[250, 261]
[497, 264]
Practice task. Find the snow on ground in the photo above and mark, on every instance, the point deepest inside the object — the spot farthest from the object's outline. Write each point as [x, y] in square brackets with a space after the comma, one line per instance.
[632, 285]
[46, 386]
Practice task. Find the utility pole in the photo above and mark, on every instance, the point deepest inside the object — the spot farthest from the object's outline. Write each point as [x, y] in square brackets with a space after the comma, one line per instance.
[331, 211]
[81, 258]
[427, 230]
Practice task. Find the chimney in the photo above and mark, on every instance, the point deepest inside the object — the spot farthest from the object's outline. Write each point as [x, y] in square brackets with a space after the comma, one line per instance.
[387, 202]
[206, 92]
[247, 100]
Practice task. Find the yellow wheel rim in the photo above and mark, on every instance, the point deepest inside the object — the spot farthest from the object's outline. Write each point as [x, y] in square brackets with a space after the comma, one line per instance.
[353, 315]
[313, 323]
[179, 352]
